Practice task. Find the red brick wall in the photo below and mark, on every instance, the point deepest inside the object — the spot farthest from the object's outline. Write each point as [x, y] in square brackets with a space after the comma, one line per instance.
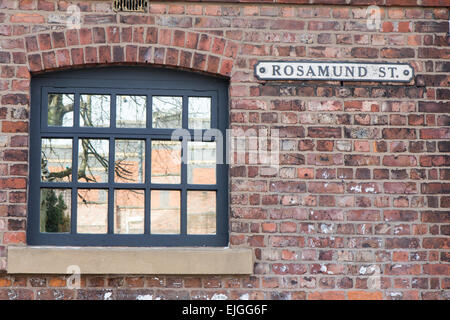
[363, 182]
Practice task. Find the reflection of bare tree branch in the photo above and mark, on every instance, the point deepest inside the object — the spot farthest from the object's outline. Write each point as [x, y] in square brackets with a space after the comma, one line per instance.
[57, 109]
[120, 170]
[169, 110]
[56, 114]
[162, 115]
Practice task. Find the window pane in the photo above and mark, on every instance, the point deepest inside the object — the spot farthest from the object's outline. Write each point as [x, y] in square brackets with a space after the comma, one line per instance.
[130, 161]
[56, 161]
[94, 110]
[60, 110]
[201, 212]
[92, 211]
[131, 111]
[199, 112]
[165, 212]
[55, 210]
[129, 211]
[166, 161]
[166, 112]
[201, 168]
[93, 160]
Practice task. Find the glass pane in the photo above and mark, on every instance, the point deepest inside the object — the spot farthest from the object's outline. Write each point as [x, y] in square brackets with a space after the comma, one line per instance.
[199, 112]
[56, 161]
[166, 112]
[165, 212]
[92, 211]
[201, 168]
[55, 210]
[131, 111]
[94, 110]
[130, 161]
[166, 161]
[201, 212]
[60, 110]
[129, 211]
[93, 160]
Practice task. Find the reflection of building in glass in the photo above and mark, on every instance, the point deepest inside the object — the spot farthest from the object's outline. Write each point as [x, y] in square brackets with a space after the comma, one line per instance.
[167, 112]
[129, 206]
[129, 167]
[201, 167]
[92, 211]
[131, 111]
[166, 161]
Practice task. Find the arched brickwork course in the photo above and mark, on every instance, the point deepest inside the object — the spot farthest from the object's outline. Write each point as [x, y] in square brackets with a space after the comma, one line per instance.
[192, 50]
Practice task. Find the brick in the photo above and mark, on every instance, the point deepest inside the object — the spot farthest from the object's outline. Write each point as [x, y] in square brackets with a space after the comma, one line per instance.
[363, 295]
[14, 237]
[327, 295]
[436, 243]
[436, 269]
[399, 161]
[404, 243]
[363, 215]
[399, 133]
[364, 52]
[27, 18]
[325, 187]
[324, 132]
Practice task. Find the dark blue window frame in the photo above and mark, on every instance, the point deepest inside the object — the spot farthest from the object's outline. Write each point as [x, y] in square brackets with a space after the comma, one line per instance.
[147, 81]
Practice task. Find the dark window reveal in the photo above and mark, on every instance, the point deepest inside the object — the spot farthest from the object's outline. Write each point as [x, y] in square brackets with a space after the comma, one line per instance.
[105, 169]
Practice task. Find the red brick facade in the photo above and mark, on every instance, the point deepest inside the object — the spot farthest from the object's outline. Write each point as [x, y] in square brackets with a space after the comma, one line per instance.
[359, 208]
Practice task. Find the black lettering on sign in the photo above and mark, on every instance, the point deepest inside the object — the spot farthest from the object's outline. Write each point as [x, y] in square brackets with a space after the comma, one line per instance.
[276, 69]
[333, 70]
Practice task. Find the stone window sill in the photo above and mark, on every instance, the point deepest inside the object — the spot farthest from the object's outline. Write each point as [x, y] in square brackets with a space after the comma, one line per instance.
[118, 260]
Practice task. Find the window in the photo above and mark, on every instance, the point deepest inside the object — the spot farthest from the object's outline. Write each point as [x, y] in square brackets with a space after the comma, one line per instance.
[105, 169]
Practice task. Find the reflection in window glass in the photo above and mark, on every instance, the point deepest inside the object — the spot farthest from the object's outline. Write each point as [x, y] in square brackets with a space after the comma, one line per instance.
[94, 110]
[166, 112]
[130, 161]
[201, 212]
[93, 160]
[199, 112]
[165, 212]
[55, 210]
[131, 111]
[129, 211]
[166, 161]
[60, 110]
[92, 211]
[201, 167]
[56, 161]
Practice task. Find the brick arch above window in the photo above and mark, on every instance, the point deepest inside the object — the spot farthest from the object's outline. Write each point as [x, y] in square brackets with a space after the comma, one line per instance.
[195, 51]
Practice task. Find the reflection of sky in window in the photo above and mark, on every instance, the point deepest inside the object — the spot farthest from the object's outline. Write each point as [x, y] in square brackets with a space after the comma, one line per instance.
[67, 99]
[166, 112]
[131, 111]
[67, 120]
[96, 112]
[199, 112]
[100, 146]
[201, 152]
[54, 142]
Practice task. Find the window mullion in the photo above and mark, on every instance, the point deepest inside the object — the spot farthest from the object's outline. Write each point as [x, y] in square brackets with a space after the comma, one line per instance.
[76, 111]
[183, 205]
[148, 167]
[111, 188]
[184, 150]
[112, 112]
[73, 225]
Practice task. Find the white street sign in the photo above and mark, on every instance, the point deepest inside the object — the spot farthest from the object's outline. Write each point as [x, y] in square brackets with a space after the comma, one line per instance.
[341, 71]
